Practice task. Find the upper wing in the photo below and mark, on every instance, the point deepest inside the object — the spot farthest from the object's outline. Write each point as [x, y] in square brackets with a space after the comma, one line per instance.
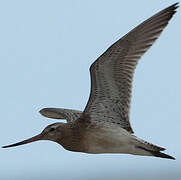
[59, 113]
[112, 72]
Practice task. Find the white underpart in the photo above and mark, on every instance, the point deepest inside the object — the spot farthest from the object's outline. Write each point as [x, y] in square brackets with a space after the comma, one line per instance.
[115, 140]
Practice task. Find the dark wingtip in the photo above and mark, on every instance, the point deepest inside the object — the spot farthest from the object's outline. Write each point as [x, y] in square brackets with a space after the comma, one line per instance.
[162, 155]
[158, 153]
[171, 8]
[175, 5]
[171, 157]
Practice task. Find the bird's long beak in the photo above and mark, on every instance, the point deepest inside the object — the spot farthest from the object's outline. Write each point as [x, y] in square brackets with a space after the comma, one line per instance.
[35, 138]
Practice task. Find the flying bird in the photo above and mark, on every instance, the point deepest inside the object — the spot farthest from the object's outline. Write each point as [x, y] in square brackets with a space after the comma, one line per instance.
[104, 125]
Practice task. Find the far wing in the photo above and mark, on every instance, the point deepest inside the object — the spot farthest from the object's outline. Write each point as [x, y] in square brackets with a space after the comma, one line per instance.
[59, 113]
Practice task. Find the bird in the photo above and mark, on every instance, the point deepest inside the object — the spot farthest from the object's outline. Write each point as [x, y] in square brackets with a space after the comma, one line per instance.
[104, 125]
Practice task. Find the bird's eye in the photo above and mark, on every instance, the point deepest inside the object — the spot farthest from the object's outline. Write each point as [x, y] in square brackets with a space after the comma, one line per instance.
[52, 129]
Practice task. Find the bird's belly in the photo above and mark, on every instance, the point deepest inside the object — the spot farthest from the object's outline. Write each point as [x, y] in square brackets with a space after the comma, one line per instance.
[108, 140]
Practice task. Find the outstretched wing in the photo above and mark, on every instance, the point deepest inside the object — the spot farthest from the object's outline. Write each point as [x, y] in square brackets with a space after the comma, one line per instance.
[112, 73]
[59, 113]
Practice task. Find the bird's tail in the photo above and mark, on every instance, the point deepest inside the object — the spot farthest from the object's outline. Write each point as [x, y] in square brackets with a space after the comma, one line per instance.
[145, 148]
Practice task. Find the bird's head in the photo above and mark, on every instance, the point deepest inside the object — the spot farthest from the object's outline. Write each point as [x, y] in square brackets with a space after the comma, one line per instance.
[52, 132]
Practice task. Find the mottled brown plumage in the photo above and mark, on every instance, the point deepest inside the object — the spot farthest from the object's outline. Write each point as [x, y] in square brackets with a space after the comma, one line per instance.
[104, 126]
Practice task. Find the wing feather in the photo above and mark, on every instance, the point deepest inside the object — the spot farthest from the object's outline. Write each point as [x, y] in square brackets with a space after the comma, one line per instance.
[60, 113]
[112, 73]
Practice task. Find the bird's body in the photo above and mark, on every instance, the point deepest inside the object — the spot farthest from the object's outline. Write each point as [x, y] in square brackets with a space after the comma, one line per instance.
[106, 139]
[104, 125]
[93, 138]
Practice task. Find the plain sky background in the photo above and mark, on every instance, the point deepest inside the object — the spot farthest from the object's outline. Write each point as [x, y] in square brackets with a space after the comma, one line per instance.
[46, 48]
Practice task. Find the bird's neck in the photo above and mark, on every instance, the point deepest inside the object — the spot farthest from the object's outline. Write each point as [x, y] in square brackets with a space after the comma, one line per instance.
[73, 138]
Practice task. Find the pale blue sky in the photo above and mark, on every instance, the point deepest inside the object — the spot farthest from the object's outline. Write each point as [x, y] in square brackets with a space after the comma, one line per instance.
[46, 48]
